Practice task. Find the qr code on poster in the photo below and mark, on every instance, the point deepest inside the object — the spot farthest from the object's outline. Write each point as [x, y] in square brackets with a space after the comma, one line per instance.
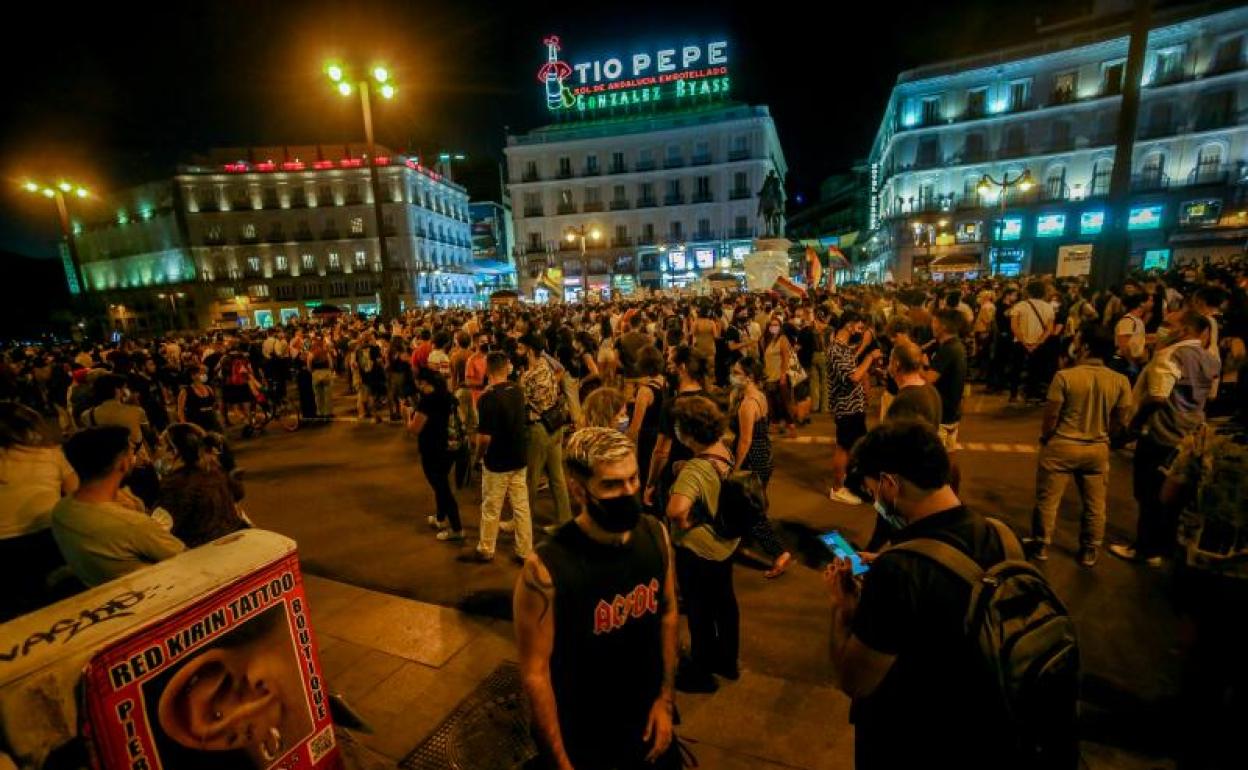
[321, 744]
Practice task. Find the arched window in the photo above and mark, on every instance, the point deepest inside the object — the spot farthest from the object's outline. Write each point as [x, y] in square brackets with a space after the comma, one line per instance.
[1101, 172]
[1208, 164]
[1055, 183]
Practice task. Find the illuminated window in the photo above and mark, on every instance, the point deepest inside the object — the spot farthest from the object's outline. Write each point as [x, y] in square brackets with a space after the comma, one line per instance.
[258, 290]
[281, 262]
[309, 262]
[249, 231]
[1011, 229]
[357, 225]
[253, 264]
[1050, 225]
[361, 259]
[214, 234]
[1091, 222]
[1145, 217]
[968, 232]
[334, 262]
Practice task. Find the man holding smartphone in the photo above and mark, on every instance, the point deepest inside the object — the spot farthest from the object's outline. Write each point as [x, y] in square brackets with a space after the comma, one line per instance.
[898, 641]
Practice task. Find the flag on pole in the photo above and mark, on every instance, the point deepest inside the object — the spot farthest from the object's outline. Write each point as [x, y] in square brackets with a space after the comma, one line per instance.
[814, 267]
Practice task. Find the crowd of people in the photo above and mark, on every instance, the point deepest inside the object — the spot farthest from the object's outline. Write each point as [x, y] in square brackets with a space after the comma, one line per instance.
[650, 422]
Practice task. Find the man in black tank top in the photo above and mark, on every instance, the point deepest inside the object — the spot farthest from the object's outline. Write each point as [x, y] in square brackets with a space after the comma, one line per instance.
[596, 623]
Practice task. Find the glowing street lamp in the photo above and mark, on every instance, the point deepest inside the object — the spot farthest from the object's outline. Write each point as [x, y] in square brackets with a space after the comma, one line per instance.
[386, 91]
[57, 193]
[987, 185]
[344, 89]
[583, 233]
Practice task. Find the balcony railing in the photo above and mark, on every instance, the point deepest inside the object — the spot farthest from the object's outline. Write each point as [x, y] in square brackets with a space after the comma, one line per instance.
[740, 193]
[1055, 192]
[592, 171]
[593, 206]
[1157, 130]
[1149, 181]
[672, 162]
[531, 176]
[1209, 174]
[1061, 144]
[703, 198]
[1012, 151]
[618, 168]
[565, 173]
[734, 155]
[619, 205]
[533, 211]
[566, 208]
[647, 203]
[673, 200]
[700, 160]
[621, 242]
[646, 165]
[249, 239]
[1062, 96]
[928, 161]
[645, 240]
[741, 232]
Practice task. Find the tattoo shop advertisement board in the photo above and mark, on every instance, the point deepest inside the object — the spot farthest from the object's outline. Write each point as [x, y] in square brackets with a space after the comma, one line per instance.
[143, 665]
[231, 681]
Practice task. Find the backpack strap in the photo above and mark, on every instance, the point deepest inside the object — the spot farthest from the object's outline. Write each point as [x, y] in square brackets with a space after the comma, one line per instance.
[1009, 541]
[945, 555]
[714, 459]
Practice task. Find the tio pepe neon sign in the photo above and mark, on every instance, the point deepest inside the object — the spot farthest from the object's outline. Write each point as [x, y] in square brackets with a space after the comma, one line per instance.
[665, 76]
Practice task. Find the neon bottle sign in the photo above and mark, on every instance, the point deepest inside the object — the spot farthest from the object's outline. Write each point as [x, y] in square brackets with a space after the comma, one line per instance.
[552, 74]
[668, 75]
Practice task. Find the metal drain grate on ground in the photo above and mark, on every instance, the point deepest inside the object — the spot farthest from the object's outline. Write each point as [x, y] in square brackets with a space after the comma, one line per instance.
[488, 730]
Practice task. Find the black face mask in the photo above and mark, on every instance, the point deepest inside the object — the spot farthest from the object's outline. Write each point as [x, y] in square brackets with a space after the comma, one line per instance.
[615, 514]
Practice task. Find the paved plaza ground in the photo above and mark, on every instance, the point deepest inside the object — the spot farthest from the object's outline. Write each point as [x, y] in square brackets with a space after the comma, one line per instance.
[353, 496]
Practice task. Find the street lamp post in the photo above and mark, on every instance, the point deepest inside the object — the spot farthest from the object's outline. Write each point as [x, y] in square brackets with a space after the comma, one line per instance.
[582, 233]
[57, 193]
[381, 79]
[987, 184]
[173, 298]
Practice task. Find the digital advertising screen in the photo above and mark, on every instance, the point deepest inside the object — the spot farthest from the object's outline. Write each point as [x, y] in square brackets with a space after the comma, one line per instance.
[1144, 217]
[704, 258]
[1050, 225]
[677, 262]
[1091, 222]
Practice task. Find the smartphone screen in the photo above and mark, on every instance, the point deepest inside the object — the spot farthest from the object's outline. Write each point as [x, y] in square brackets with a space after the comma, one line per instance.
[840, 547]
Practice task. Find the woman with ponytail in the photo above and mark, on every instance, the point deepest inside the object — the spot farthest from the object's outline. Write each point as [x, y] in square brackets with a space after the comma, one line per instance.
[194, 488]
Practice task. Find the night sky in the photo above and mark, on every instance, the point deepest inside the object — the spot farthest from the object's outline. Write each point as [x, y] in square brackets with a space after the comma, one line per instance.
[116, 94]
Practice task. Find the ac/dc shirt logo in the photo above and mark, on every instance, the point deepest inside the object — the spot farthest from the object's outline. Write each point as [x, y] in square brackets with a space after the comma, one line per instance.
[643, 599]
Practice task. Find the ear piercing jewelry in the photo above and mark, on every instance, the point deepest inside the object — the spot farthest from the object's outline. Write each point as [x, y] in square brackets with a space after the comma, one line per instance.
[268, 753]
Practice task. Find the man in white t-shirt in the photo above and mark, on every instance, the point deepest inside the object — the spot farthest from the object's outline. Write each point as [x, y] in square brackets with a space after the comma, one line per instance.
[1031, 321]
[1130, 335]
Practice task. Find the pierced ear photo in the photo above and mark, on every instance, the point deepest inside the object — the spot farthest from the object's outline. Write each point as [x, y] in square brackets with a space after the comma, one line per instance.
[238, 703]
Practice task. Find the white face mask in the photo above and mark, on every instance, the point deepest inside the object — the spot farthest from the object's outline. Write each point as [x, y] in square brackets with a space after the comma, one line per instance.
[774, 329]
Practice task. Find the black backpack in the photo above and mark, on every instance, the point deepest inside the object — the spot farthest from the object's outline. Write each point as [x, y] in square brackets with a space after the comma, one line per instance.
[1026, 643]
[742, 501]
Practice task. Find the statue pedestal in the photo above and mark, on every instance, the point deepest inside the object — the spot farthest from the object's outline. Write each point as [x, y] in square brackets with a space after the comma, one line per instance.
[768, 261]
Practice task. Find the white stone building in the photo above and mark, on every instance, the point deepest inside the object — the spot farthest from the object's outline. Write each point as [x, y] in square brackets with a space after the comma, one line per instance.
[673, 197]
[254, 237]
[1051, 108]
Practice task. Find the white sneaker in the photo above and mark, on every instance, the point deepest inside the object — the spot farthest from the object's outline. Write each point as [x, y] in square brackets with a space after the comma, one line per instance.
[508, 526]
[843, 495]
[433, 522]
[453, 535]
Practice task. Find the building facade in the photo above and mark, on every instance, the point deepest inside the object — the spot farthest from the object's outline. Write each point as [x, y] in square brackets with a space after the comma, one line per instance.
[493, 247]
[671, 197]
[260, 236]
[1050, 109]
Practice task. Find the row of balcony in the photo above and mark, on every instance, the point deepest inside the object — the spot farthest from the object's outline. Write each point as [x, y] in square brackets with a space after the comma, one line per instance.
[1062, 96]
[272, 204]
[641, 166]
[1152, 180]
[331, 234]
[699, 236]
[590, 207]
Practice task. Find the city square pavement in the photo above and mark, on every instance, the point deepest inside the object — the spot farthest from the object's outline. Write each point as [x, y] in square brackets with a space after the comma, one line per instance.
[353, 496]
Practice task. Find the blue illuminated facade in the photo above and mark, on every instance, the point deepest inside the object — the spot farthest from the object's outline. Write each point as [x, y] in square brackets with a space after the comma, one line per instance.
[1051, 108]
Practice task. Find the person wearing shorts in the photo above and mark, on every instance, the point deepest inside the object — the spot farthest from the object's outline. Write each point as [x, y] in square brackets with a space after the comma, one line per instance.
[847, 398]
